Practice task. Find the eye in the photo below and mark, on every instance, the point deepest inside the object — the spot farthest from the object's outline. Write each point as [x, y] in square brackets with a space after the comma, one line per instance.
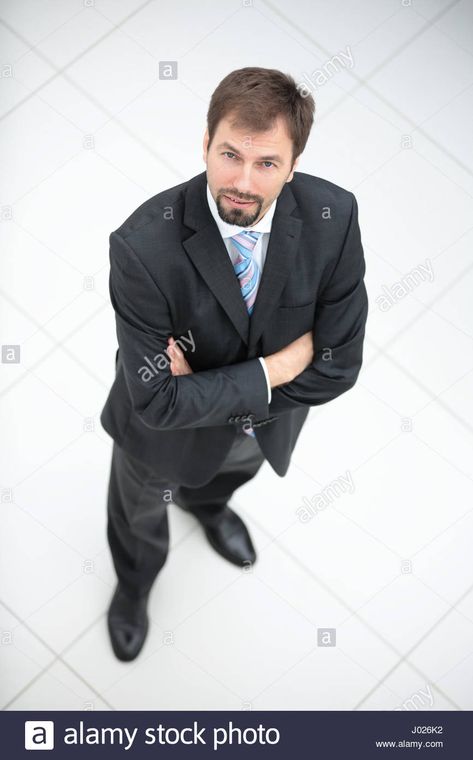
[228, 154]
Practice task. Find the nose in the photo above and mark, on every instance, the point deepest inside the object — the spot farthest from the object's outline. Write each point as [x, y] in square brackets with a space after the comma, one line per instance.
[242, 181]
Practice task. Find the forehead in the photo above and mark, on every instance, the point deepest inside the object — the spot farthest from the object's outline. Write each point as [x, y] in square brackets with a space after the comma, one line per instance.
[245, 140]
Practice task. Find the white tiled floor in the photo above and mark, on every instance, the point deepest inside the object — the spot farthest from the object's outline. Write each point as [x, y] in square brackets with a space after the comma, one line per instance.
[88, 133]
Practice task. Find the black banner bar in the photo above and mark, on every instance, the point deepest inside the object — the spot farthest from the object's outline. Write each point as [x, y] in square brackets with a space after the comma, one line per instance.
[297, 735]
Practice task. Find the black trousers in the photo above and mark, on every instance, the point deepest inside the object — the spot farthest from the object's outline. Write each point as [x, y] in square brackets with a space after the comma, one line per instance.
[137, 529]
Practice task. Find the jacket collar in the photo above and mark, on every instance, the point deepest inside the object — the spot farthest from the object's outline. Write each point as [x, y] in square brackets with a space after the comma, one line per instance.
[207, 251]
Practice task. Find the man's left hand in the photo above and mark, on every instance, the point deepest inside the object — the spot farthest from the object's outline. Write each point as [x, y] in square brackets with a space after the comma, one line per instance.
[179, 364]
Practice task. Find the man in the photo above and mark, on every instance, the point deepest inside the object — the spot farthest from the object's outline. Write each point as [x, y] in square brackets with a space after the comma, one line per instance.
[239, 304]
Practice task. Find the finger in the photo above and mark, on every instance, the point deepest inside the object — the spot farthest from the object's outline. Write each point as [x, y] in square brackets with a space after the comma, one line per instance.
[178, 364]
[177, 351]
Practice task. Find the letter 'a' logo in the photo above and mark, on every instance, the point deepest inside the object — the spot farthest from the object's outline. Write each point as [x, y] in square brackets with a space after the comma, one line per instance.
[39, 734]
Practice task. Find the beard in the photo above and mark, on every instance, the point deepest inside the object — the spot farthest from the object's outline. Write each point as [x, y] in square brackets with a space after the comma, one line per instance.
[244, 216]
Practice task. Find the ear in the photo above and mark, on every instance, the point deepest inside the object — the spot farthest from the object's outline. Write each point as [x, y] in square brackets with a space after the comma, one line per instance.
[293, 170]
[205, 145]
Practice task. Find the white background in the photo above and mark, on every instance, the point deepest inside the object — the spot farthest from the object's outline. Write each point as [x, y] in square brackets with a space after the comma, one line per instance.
[88, 132]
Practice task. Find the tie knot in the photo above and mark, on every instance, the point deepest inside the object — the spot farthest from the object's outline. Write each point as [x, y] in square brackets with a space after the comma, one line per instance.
[246, 239]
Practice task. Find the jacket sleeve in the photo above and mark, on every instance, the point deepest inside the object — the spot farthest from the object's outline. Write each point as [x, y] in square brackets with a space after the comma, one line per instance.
[339, 328]
[163, 401]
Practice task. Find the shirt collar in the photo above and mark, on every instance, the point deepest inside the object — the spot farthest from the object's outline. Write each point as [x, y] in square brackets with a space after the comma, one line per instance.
[228, 230]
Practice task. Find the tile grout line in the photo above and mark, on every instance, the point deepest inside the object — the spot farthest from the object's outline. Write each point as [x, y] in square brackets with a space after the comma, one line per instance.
[355, 614]
[364, 82]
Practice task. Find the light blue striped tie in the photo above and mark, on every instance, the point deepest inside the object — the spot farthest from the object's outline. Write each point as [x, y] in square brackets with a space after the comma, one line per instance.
[249, 275]
[246, 268]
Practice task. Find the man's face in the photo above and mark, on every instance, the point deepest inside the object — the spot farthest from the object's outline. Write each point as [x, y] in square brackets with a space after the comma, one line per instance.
[247, 167]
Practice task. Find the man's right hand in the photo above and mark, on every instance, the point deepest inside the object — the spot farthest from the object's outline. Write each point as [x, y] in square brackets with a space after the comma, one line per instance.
[284, 365]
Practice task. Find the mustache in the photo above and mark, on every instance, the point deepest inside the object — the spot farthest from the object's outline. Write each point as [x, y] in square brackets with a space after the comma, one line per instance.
[238, 197]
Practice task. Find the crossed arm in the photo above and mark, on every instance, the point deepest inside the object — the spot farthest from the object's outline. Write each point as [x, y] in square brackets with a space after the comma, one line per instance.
[176, 397]
[338, 336]
[339, 330]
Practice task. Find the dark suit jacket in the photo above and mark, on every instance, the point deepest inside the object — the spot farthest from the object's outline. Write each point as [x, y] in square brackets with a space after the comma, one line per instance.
[170, 273]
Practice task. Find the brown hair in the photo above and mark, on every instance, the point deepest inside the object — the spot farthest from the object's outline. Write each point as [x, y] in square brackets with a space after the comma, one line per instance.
[258, 96]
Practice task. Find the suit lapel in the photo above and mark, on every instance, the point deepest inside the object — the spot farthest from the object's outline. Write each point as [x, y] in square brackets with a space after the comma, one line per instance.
[280, 259]
[209, 254]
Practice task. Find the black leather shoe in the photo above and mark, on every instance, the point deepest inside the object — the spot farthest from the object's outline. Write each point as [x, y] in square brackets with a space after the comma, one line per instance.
[231, 539]
[127, 624]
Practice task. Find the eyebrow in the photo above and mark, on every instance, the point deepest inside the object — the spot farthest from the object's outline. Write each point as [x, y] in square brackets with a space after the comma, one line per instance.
[275, 157]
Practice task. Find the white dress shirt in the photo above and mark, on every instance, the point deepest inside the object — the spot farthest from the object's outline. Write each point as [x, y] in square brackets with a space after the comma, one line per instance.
[259, 251]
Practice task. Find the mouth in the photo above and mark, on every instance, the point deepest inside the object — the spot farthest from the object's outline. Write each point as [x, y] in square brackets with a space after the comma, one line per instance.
[236, 202]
